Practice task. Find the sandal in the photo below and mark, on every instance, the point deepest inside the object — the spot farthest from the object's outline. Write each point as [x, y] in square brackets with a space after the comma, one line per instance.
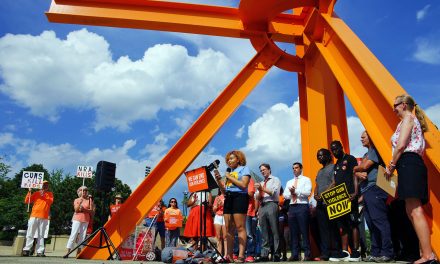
[432, 260]
[239, 260]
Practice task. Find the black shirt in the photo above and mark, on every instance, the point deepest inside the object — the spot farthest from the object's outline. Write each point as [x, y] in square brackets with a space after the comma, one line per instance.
[343, 171]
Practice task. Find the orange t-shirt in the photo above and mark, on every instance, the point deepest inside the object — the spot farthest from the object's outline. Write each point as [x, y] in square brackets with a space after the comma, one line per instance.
[156, 210]
[251, 205]
[219, 200]
[114, 208]
[42, 204]
[173, 218]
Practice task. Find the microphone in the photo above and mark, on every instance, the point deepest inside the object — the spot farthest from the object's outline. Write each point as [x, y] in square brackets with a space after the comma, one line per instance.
[213, 165]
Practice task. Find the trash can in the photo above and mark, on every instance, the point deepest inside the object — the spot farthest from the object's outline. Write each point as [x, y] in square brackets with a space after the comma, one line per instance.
[19, 241]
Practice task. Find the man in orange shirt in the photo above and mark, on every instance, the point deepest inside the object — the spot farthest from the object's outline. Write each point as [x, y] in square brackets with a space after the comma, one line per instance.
[37, 224]
[115, 207]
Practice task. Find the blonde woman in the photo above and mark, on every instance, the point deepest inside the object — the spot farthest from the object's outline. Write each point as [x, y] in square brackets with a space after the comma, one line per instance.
[408, 144]
[83, 211]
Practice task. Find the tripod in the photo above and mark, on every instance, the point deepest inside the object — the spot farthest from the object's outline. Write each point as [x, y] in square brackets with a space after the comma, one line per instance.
[203, 239]
[102, 234]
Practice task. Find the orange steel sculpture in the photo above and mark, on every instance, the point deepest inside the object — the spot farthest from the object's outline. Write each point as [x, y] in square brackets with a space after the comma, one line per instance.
[330, 60]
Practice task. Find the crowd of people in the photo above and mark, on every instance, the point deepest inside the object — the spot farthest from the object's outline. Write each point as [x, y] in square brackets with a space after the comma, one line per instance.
[398, 228]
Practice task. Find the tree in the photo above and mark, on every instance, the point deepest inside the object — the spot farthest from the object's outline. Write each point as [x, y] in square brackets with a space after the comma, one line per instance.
[4, 169]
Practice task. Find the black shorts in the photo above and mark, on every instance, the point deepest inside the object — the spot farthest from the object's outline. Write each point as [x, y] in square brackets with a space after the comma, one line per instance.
[350, 220]
[236, 203]
[413, 177]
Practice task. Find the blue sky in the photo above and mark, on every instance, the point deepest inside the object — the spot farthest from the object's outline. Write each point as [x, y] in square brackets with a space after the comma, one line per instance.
[73, 95]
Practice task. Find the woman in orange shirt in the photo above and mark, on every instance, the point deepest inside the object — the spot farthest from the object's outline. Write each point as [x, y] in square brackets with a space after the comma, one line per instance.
[173, 222]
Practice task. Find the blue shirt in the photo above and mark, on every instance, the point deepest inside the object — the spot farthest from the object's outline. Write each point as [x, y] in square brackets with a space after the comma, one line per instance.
[238, 173]
[372, 171]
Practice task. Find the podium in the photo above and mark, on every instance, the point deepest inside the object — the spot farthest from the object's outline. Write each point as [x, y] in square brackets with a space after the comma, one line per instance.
[200, 179]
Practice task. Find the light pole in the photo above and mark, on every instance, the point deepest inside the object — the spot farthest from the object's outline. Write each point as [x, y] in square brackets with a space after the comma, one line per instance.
[147, 170]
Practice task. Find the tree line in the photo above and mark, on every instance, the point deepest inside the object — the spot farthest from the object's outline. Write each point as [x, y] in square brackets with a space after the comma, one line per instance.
[14, 214]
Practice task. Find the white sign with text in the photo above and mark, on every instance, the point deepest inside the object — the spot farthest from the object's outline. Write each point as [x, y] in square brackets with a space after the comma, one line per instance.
[32, 179]
[84, 172]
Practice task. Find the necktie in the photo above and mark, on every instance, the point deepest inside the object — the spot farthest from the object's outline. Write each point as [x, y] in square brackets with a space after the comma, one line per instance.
[295, 184]
[264, 185]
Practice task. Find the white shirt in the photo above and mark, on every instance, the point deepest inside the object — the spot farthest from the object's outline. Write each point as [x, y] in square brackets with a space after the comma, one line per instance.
[274, 185]
[302, 190]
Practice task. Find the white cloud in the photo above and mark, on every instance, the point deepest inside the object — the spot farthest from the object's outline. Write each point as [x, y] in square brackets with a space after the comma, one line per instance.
[275, 137]
[240, 132]
[44, 73]
[47, 75]
[433, 112]
[68, 157]
[428, 50]
[355, 129]
[6, 139]
[420, 15]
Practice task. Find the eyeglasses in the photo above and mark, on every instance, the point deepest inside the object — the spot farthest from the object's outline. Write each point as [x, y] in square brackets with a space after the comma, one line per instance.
[173, 202]
[396, 105]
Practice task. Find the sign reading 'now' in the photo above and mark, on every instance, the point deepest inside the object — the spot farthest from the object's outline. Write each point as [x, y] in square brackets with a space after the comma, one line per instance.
[337, 200]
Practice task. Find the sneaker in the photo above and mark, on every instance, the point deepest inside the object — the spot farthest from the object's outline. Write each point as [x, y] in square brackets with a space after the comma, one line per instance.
[370, 259]
[25, 253]
[249, 259]
[384, 259]
[220, 259]
[263, 259]
[355, 256]
[41, 255]
[234, 257]
[293, 258]
[340, 256]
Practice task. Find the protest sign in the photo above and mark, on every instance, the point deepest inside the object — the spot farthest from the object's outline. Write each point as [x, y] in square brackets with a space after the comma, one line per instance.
[337, 200]
[32, 179]
[84, 172]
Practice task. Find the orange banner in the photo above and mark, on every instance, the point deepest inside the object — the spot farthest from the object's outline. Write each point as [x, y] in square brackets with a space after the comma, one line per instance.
[197, 179]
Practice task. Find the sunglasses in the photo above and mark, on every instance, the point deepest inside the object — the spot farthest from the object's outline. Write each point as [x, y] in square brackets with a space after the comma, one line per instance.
[173, 202]
[396, 105]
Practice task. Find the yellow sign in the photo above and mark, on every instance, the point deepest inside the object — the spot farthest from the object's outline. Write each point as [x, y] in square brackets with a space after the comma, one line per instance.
[337, 200]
